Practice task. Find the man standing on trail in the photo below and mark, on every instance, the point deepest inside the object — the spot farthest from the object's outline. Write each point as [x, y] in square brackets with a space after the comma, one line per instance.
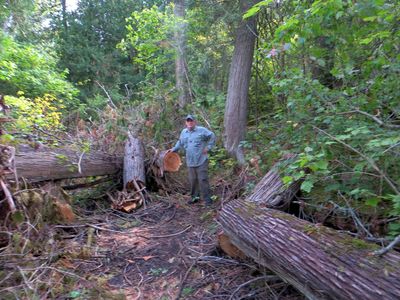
[196, 141]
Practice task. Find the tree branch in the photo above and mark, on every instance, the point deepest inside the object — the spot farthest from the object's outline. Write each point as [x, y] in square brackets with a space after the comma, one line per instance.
[388, 247]
[9, 198]
[369, 160]
[374, 118]
[108, 95]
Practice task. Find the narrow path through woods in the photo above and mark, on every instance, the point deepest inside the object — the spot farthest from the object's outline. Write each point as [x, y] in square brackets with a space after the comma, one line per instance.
[168, 250]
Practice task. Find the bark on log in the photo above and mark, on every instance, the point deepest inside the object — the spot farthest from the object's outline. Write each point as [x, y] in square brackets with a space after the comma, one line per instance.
[318, 261]
[271, 191]
[60, 163]
[133, 194]
[133, 162]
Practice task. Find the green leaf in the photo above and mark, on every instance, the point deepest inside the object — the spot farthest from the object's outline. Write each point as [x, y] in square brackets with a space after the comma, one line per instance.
[370, 19]
[343, 136]
[394, 226]
[251, 12]
[74, 294]
[256, 8]
[306, 186]
[372, 202]
[287, 179]
[18, 217]
[339, 14]
[319, 165]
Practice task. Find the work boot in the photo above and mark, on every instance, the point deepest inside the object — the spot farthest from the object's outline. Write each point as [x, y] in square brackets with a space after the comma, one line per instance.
[193, 200]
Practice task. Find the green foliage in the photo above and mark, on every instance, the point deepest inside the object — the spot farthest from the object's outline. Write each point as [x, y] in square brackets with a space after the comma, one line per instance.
[86, 41]
[150, 33]
[152, 49]
[187, 291]
[256, 8]
[220, 160]
[332, 69]
[33, 70]
[41, 112]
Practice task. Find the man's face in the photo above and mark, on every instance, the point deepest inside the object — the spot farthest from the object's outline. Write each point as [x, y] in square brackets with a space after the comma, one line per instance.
[190, 124]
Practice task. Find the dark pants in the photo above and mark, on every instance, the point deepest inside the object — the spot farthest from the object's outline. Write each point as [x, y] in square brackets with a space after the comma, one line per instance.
[198, 178]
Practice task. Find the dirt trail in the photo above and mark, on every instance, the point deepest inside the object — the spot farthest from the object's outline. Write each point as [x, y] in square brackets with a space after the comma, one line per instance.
[168, 251]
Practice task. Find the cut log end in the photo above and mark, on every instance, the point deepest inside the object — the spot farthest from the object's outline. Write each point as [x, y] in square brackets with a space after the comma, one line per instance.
[172, 162]
[224, 242]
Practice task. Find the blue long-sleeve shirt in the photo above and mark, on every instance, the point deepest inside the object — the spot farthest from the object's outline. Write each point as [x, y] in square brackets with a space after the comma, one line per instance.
[194, 142]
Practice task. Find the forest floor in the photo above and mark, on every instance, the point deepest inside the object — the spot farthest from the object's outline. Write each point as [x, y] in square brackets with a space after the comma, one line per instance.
[168, 250]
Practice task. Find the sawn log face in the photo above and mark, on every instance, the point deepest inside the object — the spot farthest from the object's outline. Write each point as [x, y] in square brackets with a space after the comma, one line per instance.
[320, 262]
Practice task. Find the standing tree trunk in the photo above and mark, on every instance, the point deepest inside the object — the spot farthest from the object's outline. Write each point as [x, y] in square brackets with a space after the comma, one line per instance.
[181, 75]
[235, 119]
[134, 191]
[64, 15]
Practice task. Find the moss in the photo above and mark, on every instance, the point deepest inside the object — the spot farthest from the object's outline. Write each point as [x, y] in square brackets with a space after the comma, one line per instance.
[360, 244]
[310, 229]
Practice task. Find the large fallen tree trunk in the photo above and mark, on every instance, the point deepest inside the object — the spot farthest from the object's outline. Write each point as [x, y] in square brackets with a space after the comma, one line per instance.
[318, 261]
[60, 163]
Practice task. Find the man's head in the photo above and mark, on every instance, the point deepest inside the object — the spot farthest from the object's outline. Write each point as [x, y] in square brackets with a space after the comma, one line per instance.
[190, 122]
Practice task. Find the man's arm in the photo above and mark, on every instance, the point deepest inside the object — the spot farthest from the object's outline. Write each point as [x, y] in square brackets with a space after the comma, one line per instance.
[178, 145]
[211, 141]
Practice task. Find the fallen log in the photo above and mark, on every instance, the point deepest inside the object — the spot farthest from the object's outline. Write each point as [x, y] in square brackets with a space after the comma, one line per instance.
[320, 262]
[60, 163]
[159, 169]
[271, 191]
[166, 161]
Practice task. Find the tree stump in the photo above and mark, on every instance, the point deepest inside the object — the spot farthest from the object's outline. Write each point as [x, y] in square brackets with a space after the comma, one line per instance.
[134, 180]
[133, 163]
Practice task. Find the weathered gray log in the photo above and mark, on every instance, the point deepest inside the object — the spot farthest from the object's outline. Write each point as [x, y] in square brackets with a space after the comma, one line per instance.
[60, 163]
[133, 162]
[320, 262]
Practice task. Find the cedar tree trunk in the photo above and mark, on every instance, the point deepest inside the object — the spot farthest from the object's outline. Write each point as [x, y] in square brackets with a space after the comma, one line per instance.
[235, 119]
[318, 261]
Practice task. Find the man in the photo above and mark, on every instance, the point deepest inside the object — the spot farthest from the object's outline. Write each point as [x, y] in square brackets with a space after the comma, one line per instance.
[196, 141]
